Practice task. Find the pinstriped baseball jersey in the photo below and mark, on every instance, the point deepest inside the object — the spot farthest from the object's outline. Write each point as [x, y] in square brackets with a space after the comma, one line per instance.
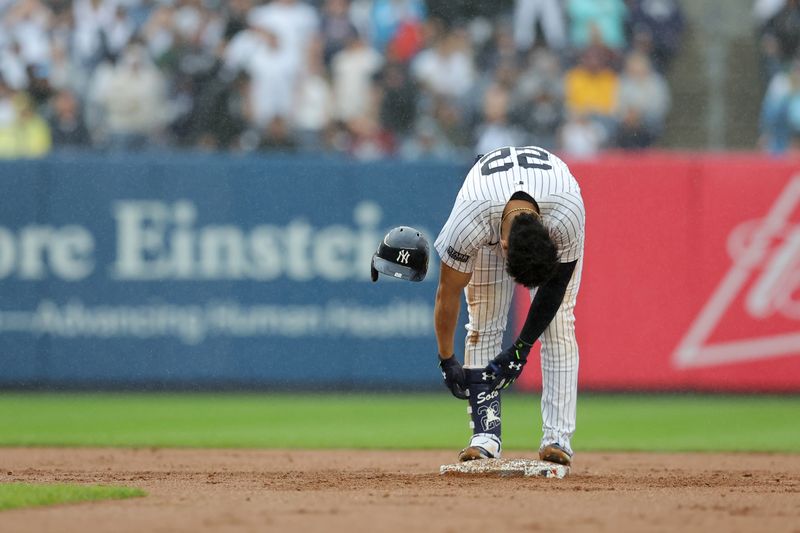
[475, 219]
[470, 242]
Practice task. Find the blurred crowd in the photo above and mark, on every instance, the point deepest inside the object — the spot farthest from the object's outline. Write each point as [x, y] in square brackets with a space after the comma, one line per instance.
[434, 79]
[779, 38]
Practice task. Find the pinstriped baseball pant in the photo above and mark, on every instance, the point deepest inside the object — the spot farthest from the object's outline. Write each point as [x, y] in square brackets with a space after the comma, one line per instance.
[488, 300]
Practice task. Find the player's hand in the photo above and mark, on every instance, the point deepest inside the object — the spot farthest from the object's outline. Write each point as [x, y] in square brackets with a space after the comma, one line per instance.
[504, 369]
[454, 378]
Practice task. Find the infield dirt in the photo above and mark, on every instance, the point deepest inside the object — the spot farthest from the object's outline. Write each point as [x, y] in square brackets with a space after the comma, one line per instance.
[401, 491]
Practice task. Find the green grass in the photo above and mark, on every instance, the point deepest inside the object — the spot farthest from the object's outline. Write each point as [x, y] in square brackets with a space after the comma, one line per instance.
[605, 422]
[18, 495]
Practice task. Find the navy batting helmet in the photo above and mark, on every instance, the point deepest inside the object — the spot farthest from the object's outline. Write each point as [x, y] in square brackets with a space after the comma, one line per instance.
[402, 254]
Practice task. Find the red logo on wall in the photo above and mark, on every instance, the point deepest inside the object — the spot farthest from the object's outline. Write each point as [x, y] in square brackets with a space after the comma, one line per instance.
[754, 313]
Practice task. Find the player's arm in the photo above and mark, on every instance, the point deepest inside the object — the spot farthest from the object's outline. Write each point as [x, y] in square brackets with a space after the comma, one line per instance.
[457, 244]
[445, 317]
[445, 310]
[546, 303]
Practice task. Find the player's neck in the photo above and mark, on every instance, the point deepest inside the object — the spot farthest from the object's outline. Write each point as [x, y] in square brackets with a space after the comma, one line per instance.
[519, 203]
[512, 209]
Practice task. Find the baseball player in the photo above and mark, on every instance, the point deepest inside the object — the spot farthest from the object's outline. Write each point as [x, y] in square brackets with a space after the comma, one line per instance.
[518, 218]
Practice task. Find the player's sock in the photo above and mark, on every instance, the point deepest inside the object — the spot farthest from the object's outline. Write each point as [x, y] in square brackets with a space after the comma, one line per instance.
[484, 412]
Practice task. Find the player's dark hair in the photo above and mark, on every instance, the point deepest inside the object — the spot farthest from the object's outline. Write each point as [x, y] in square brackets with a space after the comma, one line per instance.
[532, 256]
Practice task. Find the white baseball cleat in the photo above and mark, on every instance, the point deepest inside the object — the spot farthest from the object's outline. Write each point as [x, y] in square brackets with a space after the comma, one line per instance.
[474, 453]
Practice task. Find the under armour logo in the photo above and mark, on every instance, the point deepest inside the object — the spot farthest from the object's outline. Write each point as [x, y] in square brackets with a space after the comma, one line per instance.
[487, 376]
[514, 366]
[403, 257]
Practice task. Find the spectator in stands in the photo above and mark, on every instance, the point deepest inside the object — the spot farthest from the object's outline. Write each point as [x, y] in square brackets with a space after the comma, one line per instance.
[188, 18]
[780, 112]
[62, 74]
[500, 49]
[539, 99]
[8, 119]
[352, 72]
[446, 68]
[66, 122]
[277, 136]
[450, 120]
[388, 17]
[336, 28]
[503, 76]
[26, 24]
[134, 100]
[582, 137]
[293, 22]
[764, 10]
[138, 11]
[192, 62]
[159, 33]
[313, 105]
[368, 139]
[655, 28]
[446, 74]
[272, 69]
[496, 129]
[360, 12]
[547, 15]
[398, 99]
[597, 22]
[199, 25]
[13, 68]
[223, 112]
[465, 10]
[771, 60]
[23, 133]
[236, 17]
[94, 105]
[95, 22]
[784, 28]
[591, 88]
[427, 142]
[38, 89]
[408, 40]
[119, 31]
[642, 103]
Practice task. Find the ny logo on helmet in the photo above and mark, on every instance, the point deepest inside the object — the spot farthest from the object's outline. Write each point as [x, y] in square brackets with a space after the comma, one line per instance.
[403, 257]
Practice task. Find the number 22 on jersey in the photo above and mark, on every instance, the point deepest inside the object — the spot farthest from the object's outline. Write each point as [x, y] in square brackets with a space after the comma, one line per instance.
[527, 157]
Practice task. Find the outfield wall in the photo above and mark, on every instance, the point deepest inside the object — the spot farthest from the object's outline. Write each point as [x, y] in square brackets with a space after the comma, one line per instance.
[209, 271]
[195, 270]
[692, 277]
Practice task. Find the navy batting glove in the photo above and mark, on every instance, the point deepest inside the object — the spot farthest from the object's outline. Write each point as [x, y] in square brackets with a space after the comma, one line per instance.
[454, 378]
[504, 369]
